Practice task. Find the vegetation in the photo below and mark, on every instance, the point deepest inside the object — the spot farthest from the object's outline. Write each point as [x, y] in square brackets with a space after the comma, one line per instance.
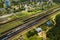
[31, 35]
[57, 1]
[54, 33]
[35, 37]
[9, 25]
[21, 16]
[1, 5]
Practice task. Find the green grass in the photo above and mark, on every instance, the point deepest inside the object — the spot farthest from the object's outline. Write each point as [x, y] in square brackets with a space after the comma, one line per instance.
[10, 25]
[35, 37]
[24, 15]
[44, 28]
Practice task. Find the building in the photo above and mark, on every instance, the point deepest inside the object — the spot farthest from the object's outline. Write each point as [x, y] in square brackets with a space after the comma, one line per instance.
[49, 23]
[8, 4]
[38, 30]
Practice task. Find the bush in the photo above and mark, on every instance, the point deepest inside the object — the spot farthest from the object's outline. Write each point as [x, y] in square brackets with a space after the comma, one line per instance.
[31, 33]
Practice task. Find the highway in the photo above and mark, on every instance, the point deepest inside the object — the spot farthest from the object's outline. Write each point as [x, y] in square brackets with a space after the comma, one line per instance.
[25, 26]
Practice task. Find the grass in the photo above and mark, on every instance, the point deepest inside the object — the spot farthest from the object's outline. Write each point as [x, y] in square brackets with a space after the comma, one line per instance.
[24, 15]
[44, 27]
[10, 25]
[12, 17]
[34, 37]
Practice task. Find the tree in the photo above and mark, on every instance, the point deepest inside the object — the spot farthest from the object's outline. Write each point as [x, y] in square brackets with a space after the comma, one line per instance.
[1, 4]
[56, 1]
[57, 19]
[54, 33]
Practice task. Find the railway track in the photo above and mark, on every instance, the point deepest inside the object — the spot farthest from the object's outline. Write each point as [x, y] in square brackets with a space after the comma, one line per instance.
[27, 20]
[22, 28]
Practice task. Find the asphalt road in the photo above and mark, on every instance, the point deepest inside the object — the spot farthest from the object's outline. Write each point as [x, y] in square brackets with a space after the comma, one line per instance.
[26, 26]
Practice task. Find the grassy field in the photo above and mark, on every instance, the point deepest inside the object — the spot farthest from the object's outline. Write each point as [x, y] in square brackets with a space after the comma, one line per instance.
[10, 25]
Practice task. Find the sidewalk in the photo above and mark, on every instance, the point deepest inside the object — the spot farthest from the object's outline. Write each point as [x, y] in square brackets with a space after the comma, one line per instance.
[4, 16]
